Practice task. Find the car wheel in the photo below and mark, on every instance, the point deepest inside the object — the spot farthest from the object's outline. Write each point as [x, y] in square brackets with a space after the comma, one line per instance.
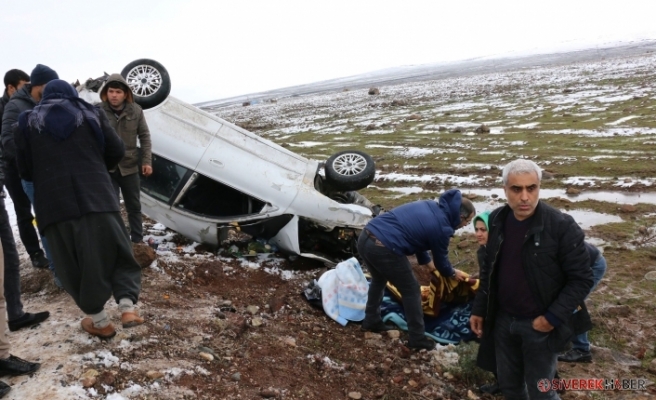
[149, 81]
[350, 170]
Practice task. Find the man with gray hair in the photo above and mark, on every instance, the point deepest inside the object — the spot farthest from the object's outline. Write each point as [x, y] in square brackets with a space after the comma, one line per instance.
[535, 274]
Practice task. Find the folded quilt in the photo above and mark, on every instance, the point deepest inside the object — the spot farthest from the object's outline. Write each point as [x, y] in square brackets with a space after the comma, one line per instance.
[344, 292]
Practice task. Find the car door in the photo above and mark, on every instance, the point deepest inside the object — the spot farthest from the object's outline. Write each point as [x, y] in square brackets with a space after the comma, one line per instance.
[257, 167]
[180, 137]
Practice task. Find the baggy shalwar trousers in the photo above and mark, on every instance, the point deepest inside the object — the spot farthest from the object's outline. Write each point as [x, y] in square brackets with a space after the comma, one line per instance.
[94, 260]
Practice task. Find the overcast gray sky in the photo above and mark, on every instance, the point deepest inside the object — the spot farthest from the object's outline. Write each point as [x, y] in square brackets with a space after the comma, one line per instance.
[216, 49]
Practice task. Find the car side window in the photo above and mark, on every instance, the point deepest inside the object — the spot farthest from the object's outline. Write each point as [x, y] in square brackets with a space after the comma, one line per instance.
[214, 199]
[167, 177]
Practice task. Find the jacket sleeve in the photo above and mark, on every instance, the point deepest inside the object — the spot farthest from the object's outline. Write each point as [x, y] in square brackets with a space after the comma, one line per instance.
[23, 150]
[114, 146]
[9, 118]
[144, 140]
[480, 306]
[440, 250]
[575, 264]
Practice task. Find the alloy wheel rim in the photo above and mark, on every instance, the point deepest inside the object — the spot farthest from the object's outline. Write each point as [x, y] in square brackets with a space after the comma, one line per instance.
[144, 80]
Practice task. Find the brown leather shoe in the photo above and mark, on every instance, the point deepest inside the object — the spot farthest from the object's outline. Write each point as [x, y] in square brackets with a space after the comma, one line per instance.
[130, 319]
[107, 332]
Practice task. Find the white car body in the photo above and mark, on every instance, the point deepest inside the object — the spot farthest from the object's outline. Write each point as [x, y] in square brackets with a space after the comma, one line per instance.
[213, 147]
[211, 177]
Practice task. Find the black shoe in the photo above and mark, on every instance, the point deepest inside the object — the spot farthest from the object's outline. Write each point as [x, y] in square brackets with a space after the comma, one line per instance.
[575, 355]
[28, 319]
[490, 388]
[4, 389]
[377, 328]
[423, 343]
[39, 260]
[14, 366]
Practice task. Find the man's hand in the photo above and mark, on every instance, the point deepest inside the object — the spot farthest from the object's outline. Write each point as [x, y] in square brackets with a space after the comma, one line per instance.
[146, 170]
[431, 266]
[460, 276]
[476, 324]
[541, 324]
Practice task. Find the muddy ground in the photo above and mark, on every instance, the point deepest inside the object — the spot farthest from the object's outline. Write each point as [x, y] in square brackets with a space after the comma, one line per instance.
[219, 327]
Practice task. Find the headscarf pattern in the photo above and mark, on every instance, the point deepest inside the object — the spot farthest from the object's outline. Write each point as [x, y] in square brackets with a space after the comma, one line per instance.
[60, 112]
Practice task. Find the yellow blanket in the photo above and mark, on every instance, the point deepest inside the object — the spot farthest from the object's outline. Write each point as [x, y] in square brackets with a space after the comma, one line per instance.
[442, 289]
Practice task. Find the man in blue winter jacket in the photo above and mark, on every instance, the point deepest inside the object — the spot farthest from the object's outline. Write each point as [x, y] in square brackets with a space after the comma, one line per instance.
[388, 240]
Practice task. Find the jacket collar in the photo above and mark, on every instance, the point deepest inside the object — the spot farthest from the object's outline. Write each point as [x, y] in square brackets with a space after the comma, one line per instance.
[128, 110]
[25, 93]
[537, 224]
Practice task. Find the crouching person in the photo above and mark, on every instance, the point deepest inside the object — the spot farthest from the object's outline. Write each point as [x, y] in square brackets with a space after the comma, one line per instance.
[65, 146]
[388, 240]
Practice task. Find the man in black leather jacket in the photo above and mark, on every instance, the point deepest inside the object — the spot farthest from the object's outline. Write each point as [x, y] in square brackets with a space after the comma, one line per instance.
[536, 271]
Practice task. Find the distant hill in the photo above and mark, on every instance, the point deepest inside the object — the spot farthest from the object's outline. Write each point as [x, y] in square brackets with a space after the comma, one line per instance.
[441, 70]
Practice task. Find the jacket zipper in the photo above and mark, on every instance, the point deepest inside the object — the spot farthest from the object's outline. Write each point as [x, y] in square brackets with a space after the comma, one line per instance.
[489, 291]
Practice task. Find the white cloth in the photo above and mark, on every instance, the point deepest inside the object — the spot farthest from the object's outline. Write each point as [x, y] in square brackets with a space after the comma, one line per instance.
[344, 292]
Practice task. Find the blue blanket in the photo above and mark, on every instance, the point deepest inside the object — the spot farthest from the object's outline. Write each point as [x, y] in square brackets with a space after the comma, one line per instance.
[451, 326]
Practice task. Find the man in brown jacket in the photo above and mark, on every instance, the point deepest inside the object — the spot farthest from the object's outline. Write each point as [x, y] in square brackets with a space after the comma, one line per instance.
[127, 118]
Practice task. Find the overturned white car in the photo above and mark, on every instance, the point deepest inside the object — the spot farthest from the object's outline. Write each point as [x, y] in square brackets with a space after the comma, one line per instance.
[210, 177]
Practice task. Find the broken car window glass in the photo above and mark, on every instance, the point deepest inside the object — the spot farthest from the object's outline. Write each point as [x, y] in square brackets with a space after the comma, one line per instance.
[166, 178]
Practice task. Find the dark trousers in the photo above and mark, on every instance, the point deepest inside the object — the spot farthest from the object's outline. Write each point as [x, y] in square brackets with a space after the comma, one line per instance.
[28, 188]
[386, 266]
[23, 208]
[523, 359]
[94, 260]
[130, 187]
[12, 267]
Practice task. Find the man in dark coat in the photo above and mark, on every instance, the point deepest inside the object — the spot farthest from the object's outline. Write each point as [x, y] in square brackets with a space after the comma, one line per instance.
[65, 146]
[14, 83]
[14, 80]
[411, 229]
[535, 274]
[24, 98]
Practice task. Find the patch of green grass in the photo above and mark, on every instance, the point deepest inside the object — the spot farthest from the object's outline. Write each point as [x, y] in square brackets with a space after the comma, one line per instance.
[467, 370]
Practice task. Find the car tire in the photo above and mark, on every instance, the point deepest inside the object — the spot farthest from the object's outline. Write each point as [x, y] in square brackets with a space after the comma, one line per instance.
[350, 170]
[149, 81]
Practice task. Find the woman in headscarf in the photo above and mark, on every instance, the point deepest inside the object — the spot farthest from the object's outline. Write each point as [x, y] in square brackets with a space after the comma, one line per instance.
[486, 358]
[65, 147]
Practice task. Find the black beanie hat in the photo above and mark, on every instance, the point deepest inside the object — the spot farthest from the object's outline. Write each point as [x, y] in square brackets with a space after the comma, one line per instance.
[42, 74]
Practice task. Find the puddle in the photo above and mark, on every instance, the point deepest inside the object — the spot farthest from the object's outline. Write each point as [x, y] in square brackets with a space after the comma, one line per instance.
[607, 196]
[587, 218]
[442, 178]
